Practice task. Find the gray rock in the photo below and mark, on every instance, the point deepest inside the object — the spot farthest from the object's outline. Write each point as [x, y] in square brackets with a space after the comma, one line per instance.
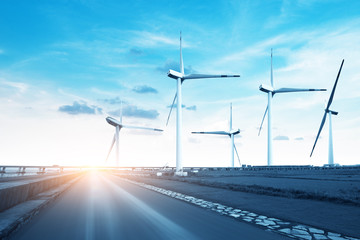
[269, 222]
[283, 223]
[299, 232]
[314, 230]
[333, 234]
[248, 219]
[285, 230]
[262, 224]
[301, 227]
[319, 236]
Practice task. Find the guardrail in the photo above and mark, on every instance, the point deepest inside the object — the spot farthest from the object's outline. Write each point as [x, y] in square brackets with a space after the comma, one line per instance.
[37, 170]
[14, 170]
[246, 168]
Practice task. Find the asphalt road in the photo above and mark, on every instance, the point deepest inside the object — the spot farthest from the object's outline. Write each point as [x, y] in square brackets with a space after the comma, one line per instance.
[101, 206]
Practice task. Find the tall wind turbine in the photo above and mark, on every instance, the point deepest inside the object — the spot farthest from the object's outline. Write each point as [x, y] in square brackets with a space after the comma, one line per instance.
[118, 126]
[271, 91]
[180, 77]
[329, 113]
[231, 133]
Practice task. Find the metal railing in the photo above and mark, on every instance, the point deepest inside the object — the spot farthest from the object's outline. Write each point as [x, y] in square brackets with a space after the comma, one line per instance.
[14, 170]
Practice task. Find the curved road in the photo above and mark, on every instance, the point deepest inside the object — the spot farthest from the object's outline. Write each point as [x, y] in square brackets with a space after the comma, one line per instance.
[103, 206]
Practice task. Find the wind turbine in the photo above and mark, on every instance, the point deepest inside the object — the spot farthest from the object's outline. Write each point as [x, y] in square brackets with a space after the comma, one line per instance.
[329, 112]
[118, 126]
[271, 91]
[180, 77]
[231, 133]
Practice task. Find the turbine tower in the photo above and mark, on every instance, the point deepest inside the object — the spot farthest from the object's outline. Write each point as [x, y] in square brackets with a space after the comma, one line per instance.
[231, 133]
[180, 77]
[271, 91]
[329, 113]
[118, 126]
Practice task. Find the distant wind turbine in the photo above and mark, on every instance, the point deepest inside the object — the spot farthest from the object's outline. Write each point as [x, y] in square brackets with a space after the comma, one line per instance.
[271, 91]
[118, 126]
[181, 77]
[231, 133]
[329, 112]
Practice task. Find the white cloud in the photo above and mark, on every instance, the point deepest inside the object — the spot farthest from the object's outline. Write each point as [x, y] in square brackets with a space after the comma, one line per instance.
[19, 86]
[148, 39]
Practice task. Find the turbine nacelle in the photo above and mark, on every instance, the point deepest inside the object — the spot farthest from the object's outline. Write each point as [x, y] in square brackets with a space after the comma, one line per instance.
[266, 88]
[332, 112]
[234, 132]
[174, 74]
[114, 122]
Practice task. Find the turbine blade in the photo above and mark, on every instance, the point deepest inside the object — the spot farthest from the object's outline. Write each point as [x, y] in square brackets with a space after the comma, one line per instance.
[112, 145]
[200, 76]
[321, 127]
[121, 111]
[230, 117]
[214, 132]
[143, 128]
[237, 154]
[263, 120]
[181, 58]
[287, 90]
[271, 77]
[172, 106]
[333, 90]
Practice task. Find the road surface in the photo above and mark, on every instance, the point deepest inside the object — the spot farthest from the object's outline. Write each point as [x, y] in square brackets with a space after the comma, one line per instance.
[103, 206]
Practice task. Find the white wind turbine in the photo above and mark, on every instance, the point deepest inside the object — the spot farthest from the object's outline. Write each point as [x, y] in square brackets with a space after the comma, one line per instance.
[271, 91]
[231, 133]
[329, 112]
[118, 126]
[180, 77]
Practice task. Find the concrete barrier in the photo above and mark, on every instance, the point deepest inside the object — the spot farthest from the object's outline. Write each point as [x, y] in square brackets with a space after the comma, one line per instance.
[16, 192]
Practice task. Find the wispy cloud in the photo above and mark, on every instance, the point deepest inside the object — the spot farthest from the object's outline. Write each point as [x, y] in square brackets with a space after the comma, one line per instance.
[112, 101]
[285, 16]
[299, 139]
[170, 64]
[190, 108]
[281, 138]
[80, 108]
[134, 111]
[135, 51]
[143, 89]
[124, 65]
[148, 39]
[21, 87]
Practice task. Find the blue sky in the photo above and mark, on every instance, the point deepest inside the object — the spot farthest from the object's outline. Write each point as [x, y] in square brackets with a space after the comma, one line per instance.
[66, 65]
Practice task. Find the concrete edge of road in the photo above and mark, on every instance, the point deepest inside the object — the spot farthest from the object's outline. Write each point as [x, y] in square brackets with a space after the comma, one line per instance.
[13, 218]
[13, 193]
